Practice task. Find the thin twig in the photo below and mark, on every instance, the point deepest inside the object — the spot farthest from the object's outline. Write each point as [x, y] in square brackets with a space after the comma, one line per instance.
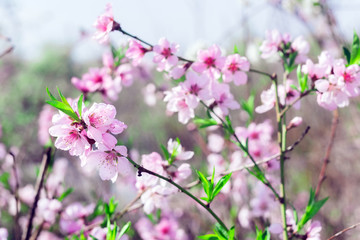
[16, 195]
[39, 183]
[293, 102]
[326, 160]
[289, 149]
[343, 231]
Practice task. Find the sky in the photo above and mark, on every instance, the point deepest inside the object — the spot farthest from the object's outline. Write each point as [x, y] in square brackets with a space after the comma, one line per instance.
[33, 24]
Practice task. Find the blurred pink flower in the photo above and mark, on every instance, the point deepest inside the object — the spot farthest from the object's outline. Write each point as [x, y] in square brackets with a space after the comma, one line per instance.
[48, 209]
[104, 25]
[135, 52]
[223, 98]
[44, 123]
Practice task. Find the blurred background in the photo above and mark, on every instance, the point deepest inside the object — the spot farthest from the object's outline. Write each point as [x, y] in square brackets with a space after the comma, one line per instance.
[46, 43]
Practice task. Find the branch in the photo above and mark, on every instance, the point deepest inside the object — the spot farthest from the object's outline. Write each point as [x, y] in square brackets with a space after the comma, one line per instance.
[295, 101]
[207, 208]
[326, 160]
[39, 183]
[343, 231]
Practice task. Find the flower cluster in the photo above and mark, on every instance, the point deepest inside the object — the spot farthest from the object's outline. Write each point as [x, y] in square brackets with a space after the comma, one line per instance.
[334, 81]
[155, 190]
[92, 138]
[276, 42]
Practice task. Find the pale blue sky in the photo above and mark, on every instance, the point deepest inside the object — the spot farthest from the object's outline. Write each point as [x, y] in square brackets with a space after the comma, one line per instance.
[31, 24]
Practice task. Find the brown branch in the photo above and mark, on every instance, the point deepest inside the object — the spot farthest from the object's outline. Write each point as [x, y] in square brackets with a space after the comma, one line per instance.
[326, 160]
[39, 184]
[343, 231]
[290, 148]
[16, 195]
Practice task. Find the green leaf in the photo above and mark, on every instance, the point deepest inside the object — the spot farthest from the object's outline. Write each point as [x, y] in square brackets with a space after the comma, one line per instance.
[65, 194]
[4, 179]
[124, 229]
[64, 108]
[166, 152]
[110, 207]
[221, 232]
[248, 106]
[229, 125]
[311, 210]
[220, 184]
[236, 49]
[63, 99]
[257, 173]
[231, 233]
[50, 95]
[355, 53]
[180, 80]
[208, 237]
[204, 123]
[205, 183]
[262, 235]
[80, 102]
[347, 54]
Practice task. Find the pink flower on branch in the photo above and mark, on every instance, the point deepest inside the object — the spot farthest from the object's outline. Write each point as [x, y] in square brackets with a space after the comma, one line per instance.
[165, 55]
[210, 61]
[235, 68]
[104, 24]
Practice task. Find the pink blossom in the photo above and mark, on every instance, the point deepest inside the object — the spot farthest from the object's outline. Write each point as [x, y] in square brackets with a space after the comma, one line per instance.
[216, 161]
[72, 218]
[197, 88]
[149, 93]
[104, 25]
[295, 122]
[91, 81]
[45, 235]
[210, 61]
[155, 197]
[27, 194]
[178, 101]
[108, 60]
[3, 234]
[98, 120]
[48, 209]
[182, 173]
[271, 44]
[179, 70]
[235, 68]
[110, 161]
[166, 229]
[54, 186]
[70, 138]
[44, 124]
[215, 142]
[223, 98]
[165, 54]
[286, 96]
[135, 52]
[177, 151]
[313, 231]
[126, 74]
[302, 47]
[152, 162]
[263, 201]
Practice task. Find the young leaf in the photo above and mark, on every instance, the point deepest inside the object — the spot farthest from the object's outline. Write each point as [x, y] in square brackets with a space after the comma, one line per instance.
[204, 123]
[260, 235]
[257, 173]
[221, 232]
[165, 151]
[236, 49]
[205, 183]
[79, 104]
[355, 53]
[65, 194]
[63, 99]
[124, 229]
[347, 54]
[231, 233]
[208, 237]
[311, 210]
[220, 184]
[4, 179]
[64, 108]
[50, 95]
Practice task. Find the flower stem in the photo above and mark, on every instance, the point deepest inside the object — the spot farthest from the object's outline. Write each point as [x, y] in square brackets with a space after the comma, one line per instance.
[207, 208]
